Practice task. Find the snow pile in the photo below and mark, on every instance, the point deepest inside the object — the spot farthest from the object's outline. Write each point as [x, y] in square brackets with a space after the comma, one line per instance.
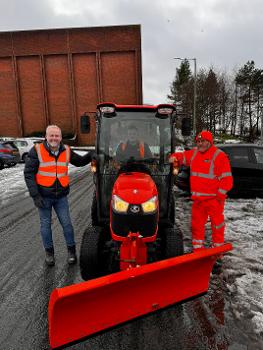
[243, 266]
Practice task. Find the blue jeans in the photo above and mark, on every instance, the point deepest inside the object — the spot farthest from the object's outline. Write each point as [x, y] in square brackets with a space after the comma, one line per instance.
[61, 208]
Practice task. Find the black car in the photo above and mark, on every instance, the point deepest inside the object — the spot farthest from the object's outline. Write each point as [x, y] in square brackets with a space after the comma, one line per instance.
[247, 168]
[6, 156]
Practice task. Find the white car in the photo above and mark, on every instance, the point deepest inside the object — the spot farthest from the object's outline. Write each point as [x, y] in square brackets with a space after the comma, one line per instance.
[25, 144]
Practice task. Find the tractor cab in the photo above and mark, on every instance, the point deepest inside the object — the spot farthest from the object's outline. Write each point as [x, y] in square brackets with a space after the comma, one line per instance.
[133, 139]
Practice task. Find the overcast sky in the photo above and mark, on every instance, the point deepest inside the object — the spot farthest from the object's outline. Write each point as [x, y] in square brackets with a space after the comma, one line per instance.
[224, 34]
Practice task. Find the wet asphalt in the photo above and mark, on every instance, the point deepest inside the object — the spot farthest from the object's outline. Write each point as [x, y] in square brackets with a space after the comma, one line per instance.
[26, 282]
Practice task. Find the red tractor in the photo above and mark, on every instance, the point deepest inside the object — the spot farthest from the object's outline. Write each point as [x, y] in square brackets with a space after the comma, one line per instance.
[133, 211]
[132, 254]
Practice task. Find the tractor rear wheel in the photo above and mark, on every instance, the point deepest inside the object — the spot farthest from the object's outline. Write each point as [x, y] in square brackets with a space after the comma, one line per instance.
[172, 243]
[91, 254]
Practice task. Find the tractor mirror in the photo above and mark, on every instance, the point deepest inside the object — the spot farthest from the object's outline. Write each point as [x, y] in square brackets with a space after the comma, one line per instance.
[85, 123]
[186, 126]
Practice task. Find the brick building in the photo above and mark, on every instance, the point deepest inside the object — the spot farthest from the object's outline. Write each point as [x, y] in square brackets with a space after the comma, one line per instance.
[54, 76]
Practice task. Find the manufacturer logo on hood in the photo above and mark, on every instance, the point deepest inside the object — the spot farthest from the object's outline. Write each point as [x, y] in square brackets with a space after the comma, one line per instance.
[135, 209]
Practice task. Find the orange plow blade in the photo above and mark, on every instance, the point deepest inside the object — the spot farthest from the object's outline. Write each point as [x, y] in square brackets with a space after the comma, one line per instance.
[80, 310]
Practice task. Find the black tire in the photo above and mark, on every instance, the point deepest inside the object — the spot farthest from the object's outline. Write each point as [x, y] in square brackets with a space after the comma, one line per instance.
[94, 213]
[172, 243]
[172, 210]
[91, 254]
[1, 165]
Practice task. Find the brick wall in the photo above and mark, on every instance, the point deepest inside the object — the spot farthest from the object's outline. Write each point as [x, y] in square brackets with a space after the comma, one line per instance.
[54, 76]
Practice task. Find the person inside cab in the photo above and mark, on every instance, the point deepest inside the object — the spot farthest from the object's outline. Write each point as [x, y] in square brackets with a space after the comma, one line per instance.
[133, 148]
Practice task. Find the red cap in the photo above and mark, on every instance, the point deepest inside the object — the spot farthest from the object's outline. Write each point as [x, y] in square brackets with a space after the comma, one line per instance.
[205, 135]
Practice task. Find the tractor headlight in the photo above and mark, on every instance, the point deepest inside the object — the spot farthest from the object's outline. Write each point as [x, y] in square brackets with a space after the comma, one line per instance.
[151, 205]
[119, 205]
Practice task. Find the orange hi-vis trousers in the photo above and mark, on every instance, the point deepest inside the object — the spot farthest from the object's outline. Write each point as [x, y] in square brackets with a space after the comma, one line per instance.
[201, 210]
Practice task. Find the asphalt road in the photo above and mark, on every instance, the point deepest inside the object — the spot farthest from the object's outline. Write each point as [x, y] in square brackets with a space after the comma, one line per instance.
[26, 284]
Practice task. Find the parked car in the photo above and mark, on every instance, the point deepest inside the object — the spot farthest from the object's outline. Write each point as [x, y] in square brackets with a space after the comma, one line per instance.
[8, 155]
[25, 144]
[247, 168]
[15, 151]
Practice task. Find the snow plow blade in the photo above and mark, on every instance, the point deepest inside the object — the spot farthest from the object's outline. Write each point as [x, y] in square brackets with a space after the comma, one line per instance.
[80, 310]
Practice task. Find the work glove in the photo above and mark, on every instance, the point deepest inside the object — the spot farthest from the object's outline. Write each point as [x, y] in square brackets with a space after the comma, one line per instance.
[172, 159]
[39, 201]
[221, 197]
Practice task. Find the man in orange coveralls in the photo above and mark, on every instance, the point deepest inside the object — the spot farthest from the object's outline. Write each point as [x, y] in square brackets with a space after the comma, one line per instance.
[210, 180]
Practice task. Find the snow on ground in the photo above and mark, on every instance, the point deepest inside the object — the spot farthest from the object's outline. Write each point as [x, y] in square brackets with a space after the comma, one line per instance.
[243, 267]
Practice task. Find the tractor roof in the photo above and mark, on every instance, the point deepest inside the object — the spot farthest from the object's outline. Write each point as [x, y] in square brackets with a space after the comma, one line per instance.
[150, 108]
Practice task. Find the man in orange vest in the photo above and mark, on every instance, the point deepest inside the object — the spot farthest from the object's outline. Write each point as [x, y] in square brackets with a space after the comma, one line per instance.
[46, 176]
[210, 180]
[133, 148]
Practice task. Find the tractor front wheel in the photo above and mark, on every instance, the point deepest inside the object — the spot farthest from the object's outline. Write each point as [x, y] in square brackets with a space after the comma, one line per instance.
[91, 254]
[172, 243]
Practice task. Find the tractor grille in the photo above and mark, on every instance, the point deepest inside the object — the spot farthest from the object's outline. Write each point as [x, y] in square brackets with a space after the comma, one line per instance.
[145, 224]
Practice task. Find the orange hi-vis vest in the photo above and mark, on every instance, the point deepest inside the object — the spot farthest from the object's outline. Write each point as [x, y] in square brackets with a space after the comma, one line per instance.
[51, 169]
[141, 148]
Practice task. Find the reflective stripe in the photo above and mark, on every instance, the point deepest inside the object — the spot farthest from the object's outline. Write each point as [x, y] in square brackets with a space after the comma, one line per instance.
[213, 162]
[222, 191]
[37, 146]
[217, 227]
[193, 156]
[201, 241]
[206, 176]
[195, 246]
[217, 244]
[61, 175]
[203, 194]
[48, 174]
[62, 163]
[67, 153]
[47, 164]
[225, 175]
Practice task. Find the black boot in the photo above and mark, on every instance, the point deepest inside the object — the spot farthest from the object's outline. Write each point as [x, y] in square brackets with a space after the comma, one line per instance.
[72, 258]
[217, 268]
[50, 259]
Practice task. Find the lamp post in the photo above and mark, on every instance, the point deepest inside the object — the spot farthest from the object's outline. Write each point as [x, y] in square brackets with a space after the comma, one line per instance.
[194, 112]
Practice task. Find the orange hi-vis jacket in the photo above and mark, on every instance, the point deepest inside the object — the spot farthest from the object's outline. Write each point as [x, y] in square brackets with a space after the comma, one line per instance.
[51, 169]
[141, 148]
[210, 172]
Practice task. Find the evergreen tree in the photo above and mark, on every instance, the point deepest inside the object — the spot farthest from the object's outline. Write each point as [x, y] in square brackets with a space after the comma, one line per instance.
[182, 88]
[250, 82]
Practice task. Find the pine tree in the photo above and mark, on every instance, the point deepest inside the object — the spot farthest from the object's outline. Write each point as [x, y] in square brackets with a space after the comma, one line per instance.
[182, 88]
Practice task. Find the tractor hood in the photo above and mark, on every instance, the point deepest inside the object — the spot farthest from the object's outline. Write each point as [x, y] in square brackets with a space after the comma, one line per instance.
[135, 187]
